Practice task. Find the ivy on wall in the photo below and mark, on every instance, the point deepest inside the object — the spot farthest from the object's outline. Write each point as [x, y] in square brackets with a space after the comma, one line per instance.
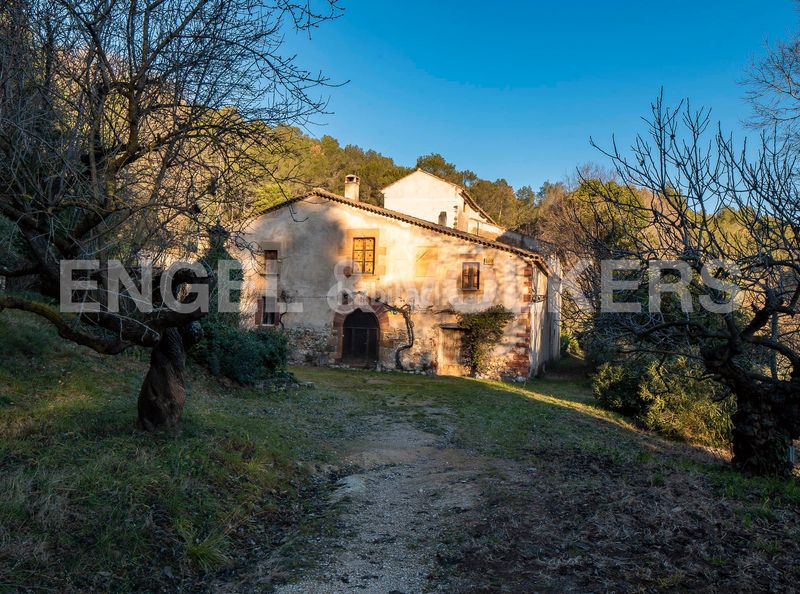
[483, 330]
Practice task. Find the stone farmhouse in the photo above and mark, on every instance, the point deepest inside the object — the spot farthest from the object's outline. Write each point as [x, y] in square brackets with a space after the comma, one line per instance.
[361, 285]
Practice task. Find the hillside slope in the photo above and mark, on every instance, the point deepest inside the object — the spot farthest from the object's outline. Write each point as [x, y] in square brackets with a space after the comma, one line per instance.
[89, 502]
[456, 484]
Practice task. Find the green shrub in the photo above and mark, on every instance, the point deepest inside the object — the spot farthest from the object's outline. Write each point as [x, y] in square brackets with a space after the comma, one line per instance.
[669, 397]
[570, 344]
[245, 356]
[210, 261]
[616, 387]
[684, 405]
[597, 352]
[227, 349]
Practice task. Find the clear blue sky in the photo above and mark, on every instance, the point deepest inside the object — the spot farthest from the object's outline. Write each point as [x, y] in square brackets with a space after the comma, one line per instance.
[515, 89]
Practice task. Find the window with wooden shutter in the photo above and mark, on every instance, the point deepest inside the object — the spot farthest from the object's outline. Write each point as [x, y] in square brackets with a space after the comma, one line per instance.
[364, 255]
[470, 276]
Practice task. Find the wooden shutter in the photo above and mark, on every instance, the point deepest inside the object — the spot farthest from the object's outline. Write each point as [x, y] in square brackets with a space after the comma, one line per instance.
[364, 254]
[260, 302]
[470, 276]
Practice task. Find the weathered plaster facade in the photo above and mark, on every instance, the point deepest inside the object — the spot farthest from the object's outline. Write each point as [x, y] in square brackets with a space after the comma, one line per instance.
[416, 265]
[425, 196]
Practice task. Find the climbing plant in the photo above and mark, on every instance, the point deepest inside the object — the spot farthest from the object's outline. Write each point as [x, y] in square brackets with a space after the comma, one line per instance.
[483, 330]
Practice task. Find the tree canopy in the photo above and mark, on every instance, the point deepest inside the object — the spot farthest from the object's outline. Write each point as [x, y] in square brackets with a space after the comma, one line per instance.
[127, 129]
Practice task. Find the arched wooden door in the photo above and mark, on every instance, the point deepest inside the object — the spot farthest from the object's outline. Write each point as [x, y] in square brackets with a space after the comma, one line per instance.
[360, 338]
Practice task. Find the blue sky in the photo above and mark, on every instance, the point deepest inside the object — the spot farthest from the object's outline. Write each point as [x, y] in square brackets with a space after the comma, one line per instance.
[515, 89]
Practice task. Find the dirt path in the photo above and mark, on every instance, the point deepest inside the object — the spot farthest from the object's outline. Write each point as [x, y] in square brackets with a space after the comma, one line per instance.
[408, 487]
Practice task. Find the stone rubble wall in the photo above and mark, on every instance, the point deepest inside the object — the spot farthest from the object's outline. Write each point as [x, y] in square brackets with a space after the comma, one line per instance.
[309, 346]
[317, 346]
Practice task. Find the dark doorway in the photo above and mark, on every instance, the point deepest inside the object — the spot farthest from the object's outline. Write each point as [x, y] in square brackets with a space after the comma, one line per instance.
[360, 336]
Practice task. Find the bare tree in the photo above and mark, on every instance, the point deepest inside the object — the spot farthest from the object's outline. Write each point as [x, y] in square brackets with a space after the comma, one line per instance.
[773, 90]
[127, 129]
[707, 201]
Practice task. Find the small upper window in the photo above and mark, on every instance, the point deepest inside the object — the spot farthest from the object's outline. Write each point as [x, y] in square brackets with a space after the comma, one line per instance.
[443, 218]
[267, 262]
[470, 276]
[364, 255]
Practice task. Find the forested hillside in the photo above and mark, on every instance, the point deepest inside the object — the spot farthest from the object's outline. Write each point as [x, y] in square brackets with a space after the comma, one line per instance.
[308, 162]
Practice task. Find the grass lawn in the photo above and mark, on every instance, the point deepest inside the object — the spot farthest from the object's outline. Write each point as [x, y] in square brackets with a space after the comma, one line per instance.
[88, 502]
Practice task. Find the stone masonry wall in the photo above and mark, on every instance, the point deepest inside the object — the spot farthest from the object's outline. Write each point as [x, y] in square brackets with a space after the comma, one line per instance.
[309, 346]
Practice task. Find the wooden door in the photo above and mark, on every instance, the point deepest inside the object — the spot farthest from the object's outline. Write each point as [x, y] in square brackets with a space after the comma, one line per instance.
[360, 338]
[452, 360]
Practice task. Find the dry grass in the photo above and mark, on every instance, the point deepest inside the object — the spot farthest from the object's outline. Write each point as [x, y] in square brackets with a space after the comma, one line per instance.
[602, 506]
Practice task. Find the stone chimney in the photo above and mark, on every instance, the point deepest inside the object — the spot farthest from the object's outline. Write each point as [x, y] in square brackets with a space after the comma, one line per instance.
[351, 186]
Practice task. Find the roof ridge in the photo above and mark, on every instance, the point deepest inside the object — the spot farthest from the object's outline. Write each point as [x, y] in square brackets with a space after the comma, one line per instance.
[461, 189]
[323, 193]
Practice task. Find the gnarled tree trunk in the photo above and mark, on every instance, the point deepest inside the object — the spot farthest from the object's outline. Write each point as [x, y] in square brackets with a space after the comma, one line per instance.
[767, 417]
[164, 390]
[761, 437]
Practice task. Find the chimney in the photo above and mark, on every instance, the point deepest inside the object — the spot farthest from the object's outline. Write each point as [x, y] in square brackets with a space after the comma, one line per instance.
[351, 187]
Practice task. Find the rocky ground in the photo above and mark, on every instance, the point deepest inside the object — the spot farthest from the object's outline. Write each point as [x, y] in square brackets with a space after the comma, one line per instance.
[408, 486]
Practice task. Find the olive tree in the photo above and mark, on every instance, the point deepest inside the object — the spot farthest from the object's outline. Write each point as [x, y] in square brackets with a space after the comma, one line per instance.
[128, 128]
[727, 217]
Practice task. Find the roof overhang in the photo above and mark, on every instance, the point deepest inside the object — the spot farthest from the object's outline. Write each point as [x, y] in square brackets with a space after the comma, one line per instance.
[534, 257]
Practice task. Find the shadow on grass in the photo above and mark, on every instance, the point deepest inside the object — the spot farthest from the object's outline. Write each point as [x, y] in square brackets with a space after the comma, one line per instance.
[90, 503]
[515, 420]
